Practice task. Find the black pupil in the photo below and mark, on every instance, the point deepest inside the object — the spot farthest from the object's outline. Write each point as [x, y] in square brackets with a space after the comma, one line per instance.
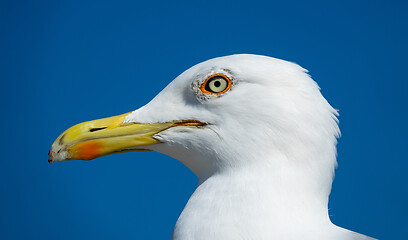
[215, 82]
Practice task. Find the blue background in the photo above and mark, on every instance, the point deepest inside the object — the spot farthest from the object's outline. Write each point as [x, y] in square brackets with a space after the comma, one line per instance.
[64, 62]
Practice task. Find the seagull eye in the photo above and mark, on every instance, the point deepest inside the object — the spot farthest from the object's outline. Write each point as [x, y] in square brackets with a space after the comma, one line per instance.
[216, 84]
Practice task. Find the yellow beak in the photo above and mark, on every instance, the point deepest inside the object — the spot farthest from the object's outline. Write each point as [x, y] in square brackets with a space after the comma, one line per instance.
[93, 139]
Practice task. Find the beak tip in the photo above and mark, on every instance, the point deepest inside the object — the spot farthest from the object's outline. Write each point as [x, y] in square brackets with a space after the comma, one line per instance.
[50, 157]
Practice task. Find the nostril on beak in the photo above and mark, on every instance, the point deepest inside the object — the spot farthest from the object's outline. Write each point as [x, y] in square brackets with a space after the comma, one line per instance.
[96, 129]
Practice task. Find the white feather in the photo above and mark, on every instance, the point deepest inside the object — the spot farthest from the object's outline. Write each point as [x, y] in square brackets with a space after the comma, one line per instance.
[266, 160]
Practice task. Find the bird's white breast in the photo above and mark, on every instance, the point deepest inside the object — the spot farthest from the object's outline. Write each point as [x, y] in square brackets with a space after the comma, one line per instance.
[233, 206]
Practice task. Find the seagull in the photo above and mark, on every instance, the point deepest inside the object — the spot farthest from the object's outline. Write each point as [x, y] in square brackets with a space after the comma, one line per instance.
[255, 130]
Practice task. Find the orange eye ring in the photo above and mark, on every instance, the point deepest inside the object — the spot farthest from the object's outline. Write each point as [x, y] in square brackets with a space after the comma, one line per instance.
[205, 86]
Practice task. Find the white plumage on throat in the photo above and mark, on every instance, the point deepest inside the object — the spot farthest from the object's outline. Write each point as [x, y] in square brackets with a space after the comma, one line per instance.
[266, 159]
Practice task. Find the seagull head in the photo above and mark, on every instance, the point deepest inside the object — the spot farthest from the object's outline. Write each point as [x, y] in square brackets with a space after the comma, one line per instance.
[222, 114]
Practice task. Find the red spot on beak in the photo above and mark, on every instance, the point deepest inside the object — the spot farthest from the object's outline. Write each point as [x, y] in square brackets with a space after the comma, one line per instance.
[87, 150]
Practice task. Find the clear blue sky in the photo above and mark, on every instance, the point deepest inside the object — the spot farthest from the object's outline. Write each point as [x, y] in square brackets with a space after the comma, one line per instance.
[64, 62]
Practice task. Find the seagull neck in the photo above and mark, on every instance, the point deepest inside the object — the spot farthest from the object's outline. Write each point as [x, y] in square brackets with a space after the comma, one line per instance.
[279, 187]
[266, 193]
[258, 201]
